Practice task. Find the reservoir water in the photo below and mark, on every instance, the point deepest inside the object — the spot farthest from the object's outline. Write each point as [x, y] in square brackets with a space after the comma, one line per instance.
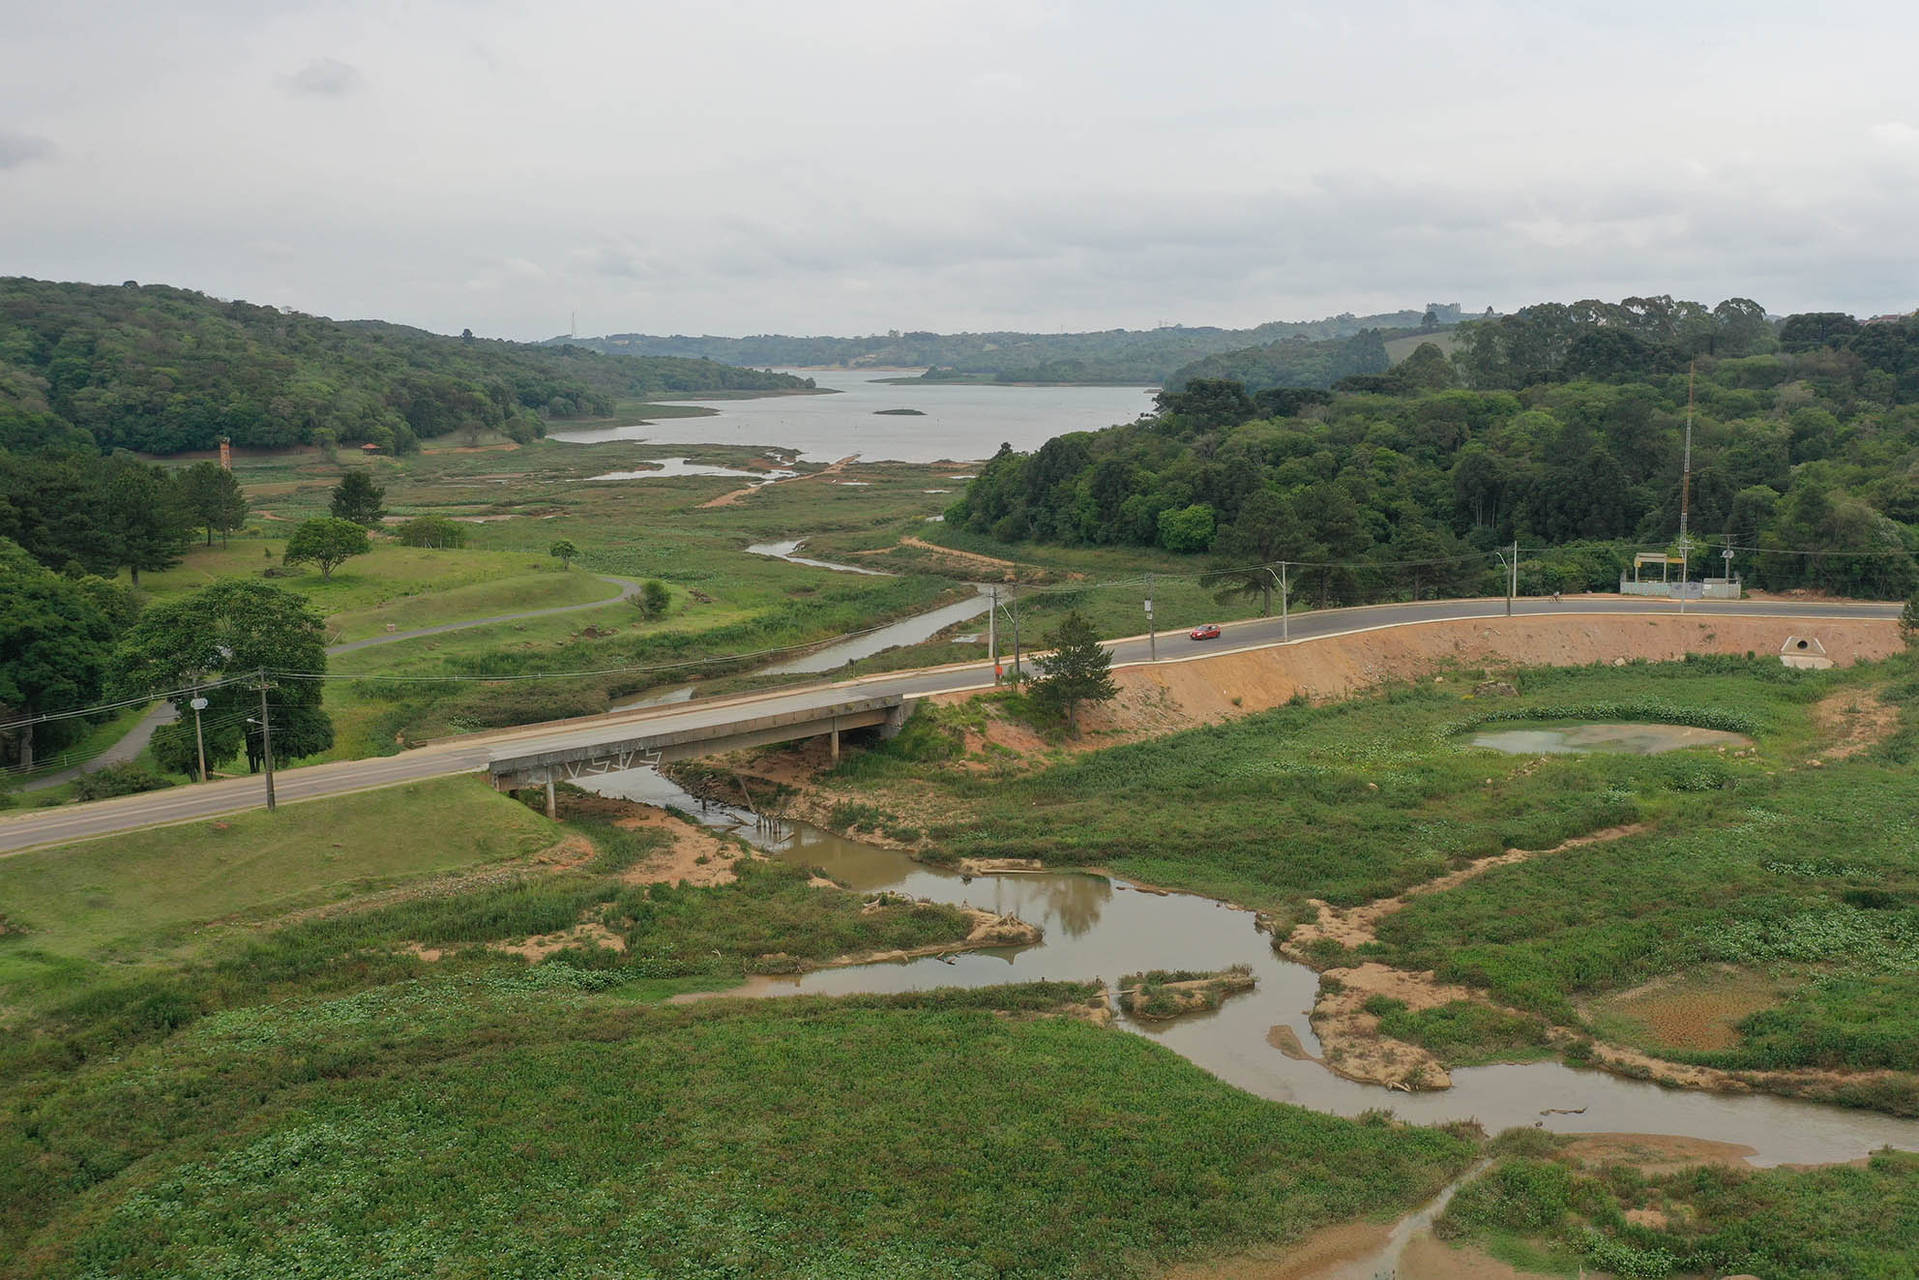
[1104, 927]
[955, 422]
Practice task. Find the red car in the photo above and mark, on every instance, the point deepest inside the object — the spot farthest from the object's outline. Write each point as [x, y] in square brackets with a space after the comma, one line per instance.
[1209, 631]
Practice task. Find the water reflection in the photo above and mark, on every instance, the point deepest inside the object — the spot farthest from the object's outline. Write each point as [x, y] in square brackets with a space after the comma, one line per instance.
[1101, 928]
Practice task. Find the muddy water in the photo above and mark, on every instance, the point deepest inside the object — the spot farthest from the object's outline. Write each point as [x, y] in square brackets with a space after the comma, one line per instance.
[785, 551]
[665, 467]
[921, 626]
[1629, 739]
[1104, 927]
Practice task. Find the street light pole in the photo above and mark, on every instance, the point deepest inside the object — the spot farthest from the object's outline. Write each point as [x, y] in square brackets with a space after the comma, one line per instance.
[199, 704]
[1285, 629]
[1152, 632]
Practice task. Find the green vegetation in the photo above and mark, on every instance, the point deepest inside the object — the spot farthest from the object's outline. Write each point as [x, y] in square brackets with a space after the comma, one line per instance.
[358, 499]
[162, 370]
[205, 645]
[56, 637]
[196, 1080]
[328, 542]
[1075, 671]
[1122, 356]
[1833, 1223]
[1357, 801]
[1168, 993]
[140, 894]
[1557, 428]
[1464, 1032]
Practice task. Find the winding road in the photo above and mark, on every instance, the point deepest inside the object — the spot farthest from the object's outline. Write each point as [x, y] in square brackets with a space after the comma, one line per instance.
[467, 754]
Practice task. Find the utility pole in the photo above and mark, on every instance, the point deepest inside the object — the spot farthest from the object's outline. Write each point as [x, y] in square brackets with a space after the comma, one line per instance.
[266, 737]
[1285, 622]
[1685, 495]
[199, 704]
[1152, 632]
[1512, 578]
[1016, 670]
[992, 632]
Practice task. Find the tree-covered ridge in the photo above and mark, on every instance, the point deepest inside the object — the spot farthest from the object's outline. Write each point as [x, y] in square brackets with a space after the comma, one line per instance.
[1109, 355]
[1556, 427]
[1294, 362]
[163, 370]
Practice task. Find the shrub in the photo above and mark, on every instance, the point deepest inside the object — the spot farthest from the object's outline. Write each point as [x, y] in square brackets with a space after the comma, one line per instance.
[117, 780]
[433, 531]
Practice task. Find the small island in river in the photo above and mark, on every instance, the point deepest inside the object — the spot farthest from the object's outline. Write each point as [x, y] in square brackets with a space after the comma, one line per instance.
[900, 413]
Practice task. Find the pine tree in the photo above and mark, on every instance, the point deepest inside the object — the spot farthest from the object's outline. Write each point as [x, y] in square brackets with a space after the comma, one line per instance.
[214, 498]
[358, 499]
[1077, 670]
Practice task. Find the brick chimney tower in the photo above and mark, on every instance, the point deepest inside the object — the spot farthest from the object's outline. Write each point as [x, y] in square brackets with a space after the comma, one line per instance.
[226, 454]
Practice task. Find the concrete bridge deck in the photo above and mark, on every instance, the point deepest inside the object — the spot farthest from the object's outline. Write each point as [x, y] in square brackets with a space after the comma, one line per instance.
[609, 749]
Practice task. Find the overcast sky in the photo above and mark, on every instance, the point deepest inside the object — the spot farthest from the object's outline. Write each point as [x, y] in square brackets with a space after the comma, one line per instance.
[841, 166]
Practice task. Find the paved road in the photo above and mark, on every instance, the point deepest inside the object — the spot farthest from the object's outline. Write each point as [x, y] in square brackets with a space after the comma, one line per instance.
[77, 822]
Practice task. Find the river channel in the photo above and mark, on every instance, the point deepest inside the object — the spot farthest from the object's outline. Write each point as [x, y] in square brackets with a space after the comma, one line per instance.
[1104, 927]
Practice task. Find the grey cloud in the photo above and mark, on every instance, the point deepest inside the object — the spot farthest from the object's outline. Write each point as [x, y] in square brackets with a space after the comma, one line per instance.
[17, 149]
[324, 78]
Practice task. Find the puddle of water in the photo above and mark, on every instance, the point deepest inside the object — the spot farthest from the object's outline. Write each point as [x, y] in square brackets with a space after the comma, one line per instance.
[1101, 927]
[785, 550]
[1629, 739]
[667, 467]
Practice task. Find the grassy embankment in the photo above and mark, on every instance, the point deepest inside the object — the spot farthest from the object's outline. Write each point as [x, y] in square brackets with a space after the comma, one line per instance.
[196, 1081]
[1756, 872]
[1540, 1207]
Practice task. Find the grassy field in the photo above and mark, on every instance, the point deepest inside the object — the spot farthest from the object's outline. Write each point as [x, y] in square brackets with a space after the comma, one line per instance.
[82, 911]
[210, 1087]
[1538, 1208]
[723, 602]
[1756, 863]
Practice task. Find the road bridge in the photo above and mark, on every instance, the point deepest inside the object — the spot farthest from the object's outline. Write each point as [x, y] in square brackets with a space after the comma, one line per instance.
[612, 748]
[26, 830]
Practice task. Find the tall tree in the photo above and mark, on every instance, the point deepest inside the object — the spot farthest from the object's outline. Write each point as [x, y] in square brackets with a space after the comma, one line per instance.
[213, 496]
[55, 642]
[144, 510]
[565, 552]
[358, 499]
[327, 542]
[1077, 670]
[228, 632]
[1267, 531]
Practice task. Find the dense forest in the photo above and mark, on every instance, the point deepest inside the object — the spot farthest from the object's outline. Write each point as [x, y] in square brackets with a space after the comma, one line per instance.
[1559, 427]
[163, 370]
[1147, 356]
[1295, 362]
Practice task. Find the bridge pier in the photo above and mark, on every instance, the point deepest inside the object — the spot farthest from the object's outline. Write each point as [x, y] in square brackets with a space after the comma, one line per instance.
[552, 806]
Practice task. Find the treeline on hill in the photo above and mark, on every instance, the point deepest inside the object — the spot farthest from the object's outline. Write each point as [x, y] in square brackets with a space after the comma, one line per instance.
[1112, 355]
[1558, 427]
[162, 370]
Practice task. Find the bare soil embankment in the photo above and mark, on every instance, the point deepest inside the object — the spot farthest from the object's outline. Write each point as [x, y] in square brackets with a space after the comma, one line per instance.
[1177, 695]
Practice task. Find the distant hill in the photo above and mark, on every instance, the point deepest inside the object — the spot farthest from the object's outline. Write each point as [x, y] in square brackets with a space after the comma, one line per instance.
[164, 370]
[1144, 356]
